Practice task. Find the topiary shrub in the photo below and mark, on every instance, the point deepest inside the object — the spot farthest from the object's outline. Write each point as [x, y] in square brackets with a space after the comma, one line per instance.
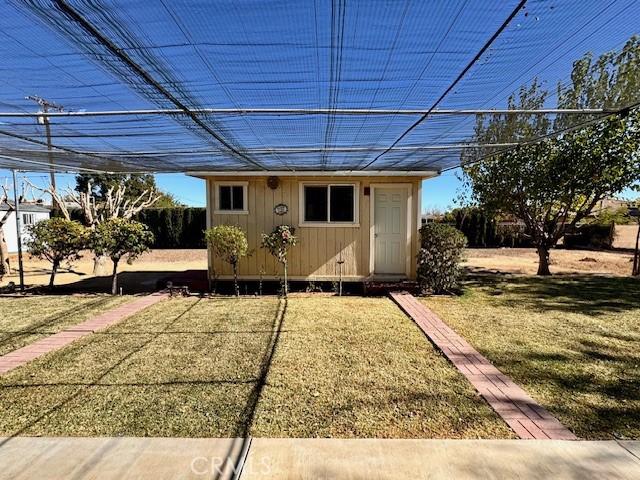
[278, 243]
[441, 250]
[230, 244]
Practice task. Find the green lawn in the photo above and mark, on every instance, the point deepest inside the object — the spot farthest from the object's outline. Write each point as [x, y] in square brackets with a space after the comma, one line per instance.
[24, 320]
[224, 367]
[572, 342]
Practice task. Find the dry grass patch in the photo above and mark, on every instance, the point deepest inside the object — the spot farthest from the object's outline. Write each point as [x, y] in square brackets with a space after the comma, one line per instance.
[183, 367]
[344, 367]
[357, 367]
[571, 342]
[23, 320]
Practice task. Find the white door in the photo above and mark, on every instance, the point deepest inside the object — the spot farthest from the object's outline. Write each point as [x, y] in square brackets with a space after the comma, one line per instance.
[390, 230]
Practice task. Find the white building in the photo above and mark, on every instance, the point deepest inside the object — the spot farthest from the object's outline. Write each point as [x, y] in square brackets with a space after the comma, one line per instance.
[30, 213]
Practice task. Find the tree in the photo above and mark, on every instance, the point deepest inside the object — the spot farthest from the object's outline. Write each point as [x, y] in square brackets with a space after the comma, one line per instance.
[56, 240]
[119, 237]
[230, 244]
[554, 184]
[98, 205]
[278, 243]
[100, 183]
[5, 264]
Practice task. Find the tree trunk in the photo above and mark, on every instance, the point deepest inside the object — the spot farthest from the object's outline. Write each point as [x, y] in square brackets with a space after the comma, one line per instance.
[543, 260]
[286, 281]
[100, 265]
[5, 264]
[114, 278]
[636, 255]
[54, 270]
[235, 279]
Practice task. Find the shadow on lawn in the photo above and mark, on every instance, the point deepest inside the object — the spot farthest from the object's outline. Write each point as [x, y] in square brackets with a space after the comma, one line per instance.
[586, 294]
[95, 381]
[42, 326]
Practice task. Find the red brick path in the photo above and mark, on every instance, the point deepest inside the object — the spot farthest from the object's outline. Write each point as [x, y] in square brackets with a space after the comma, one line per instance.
[55, 342]
[523, 414]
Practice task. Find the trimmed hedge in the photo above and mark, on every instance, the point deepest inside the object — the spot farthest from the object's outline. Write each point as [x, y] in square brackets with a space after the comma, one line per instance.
[591, 236]
[483, 230]
[176, 227]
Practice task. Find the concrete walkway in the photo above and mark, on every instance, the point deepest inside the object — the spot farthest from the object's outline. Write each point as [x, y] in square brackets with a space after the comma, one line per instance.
[61, 339]
[167, 458]
[523, 414]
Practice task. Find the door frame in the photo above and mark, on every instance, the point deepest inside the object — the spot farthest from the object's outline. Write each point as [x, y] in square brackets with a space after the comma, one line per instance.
[372, 207]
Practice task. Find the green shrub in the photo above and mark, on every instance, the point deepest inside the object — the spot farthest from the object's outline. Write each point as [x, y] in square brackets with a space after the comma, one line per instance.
[278, 243]
[118, 237]
[230, 244]
[441, 249]
[56, 240]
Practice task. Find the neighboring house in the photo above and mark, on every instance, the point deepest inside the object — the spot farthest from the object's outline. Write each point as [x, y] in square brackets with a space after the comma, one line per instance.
[369, 223]
[30, 213]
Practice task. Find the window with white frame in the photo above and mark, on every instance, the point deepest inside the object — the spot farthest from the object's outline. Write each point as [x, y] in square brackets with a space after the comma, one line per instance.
[231, 197]
[329, 203]
[28, 218]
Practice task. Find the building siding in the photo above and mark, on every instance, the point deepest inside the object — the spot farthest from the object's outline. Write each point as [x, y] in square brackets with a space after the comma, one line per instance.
[318, 249]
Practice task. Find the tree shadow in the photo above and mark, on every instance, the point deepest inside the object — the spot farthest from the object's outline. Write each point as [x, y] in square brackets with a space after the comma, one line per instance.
[585, 294]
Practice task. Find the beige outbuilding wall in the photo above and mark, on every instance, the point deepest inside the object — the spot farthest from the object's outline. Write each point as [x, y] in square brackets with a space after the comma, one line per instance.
[319, 248]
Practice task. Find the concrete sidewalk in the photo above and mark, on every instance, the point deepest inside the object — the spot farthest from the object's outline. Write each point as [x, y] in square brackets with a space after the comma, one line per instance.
[166, 458]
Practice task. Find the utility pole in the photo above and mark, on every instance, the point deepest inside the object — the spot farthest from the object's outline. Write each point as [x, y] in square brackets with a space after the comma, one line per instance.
[16, 200]
[45, 105]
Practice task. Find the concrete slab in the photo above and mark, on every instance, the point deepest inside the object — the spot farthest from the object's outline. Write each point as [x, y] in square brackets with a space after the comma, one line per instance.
[632, 445]
[117, 458]
[437, 459]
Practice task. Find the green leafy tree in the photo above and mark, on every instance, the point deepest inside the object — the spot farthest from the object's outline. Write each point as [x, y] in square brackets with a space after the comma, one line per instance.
[117, 238]
[56, 240]
[278, 243]
[554, 184]
[230, 244]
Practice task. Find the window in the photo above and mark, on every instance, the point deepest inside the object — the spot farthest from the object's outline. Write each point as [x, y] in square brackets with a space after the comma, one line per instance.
[231, 197]
[329, 203]
[28, 218]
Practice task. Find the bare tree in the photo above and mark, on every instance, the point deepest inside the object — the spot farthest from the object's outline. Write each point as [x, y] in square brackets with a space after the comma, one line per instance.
[5, 264]
[114, 205]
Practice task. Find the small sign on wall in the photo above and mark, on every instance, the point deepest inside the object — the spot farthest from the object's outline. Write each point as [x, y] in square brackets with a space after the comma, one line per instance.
[280, 209]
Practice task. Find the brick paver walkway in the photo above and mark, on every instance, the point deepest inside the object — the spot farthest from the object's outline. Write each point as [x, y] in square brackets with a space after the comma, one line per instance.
[523, 414]
[55, 342]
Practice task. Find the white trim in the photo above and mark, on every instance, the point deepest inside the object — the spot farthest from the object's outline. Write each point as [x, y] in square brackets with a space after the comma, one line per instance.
[372, 205]
[328, 223]
[317, 173]
[245, 198]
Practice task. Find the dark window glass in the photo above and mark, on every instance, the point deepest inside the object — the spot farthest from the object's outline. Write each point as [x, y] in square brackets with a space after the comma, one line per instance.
[231, 197]
[342, 203]
[238, 197]
[315, 204]
[225, 197]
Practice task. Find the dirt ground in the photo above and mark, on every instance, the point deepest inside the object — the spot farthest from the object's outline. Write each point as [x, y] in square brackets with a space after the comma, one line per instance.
[525, 261]
[162, 261]
[155, 264]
